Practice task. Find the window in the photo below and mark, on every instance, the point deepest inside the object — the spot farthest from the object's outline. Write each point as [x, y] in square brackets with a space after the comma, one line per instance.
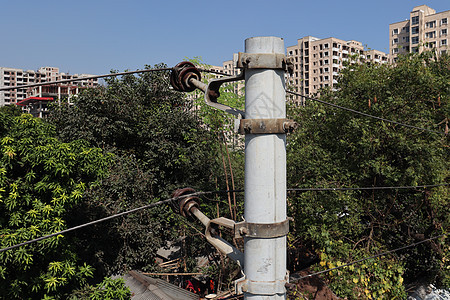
[415, 29]
[325, 70]
[430, 35]
[443, 31]
[415, 40]
[325, 46]
[395, 31]
[326, 53]
[368, 56]
[443, 42]
[405, 39]
[444, 21]
[415, 20]
[326, 62]
[395, 51]
[431, 45]
[430, 24]
[415, 49]
[395, 41]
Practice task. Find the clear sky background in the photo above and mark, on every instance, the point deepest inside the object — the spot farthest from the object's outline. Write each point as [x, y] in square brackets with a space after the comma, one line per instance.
[97, 36]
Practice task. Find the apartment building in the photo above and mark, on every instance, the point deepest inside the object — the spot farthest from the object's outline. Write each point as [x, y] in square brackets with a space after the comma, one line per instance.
[34, 99]
[317, 62]
[424, 29]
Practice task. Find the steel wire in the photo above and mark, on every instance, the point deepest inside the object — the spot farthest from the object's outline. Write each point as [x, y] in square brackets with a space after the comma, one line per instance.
[364, 114]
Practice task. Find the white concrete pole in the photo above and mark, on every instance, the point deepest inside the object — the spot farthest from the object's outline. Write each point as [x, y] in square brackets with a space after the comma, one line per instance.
[265, 175]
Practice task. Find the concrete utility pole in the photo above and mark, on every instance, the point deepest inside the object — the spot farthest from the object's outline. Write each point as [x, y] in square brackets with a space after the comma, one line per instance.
[264, 124]
[265, 173]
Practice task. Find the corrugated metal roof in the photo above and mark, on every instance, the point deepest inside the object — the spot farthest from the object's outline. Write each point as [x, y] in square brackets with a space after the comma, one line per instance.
[147, 288]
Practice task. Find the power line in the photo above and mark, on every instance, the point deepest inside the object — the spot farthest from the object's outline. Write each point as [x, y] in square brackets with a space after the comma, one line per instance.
[100, 220]
[370, 257]
[199, 194]
[6, 88]
[362, 113]
[213, 71]
[366, 188]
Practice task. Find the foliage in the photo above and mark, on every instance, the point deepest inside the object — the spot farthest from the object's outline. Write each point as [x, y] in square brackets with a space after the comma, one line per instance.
[159, 146]
[142, 117]
[334, 148]
[108, 289]
[41, 179]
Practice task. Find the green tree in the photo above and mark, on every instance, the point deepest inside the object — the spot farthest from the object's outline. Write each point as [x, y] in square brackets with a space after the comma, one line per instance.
[159, 145]
[335, 148]
[41, 180]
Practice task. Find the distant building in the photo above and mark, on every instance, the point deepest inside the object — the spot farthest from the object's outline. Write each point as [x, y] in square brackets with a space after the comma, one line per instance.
[423, 29]
[34, 99]
[317, 62]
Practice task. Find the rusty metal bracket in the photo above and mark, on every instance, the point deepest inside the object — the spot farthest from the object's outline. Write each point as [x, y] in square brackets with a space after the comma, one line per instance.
[212, 93]
[261, 230]
[266, 126]
[264, 61]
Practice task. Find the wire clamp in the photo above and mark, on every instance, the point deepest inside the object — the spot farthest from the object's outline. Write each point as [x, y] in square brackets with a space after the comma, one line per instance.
[266, 126]
[265, 61]
[244, 285]
[261, 230]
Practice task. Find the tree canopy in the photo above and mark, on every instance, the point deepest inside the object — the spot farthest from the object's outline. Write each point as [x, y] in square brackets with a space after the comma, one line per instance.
[336, 148]
[41, 180]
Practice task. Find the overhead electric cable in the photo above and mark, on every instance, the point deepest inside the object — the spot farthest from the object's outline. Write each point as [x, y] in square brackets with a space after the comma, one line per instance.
[362, 113]
[370, 257]
[6, 88]
[100, 220]
[366, 188]
[199, 194]
[213, 71]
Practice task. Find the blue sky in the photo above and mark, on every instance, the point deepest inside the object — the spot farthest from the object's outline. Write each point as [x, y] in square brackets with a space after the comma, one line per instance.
[96, 36]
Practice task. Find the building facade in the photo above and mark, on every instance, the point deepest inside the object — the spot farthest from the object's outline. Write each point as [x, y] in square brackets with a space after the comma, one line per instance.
[317, 62]
[424, 29]
[35, 99]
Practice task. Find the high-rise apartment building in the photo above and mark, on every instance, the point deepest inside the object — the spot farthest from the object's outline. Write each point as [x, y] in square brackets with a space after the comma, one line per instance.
[317, 62]
[34, 99]
[424, 29]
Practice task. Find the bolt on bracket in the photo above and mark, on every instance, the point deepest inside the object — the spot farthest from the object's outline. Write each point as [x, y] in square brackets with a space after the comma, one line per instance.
[265, 61]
